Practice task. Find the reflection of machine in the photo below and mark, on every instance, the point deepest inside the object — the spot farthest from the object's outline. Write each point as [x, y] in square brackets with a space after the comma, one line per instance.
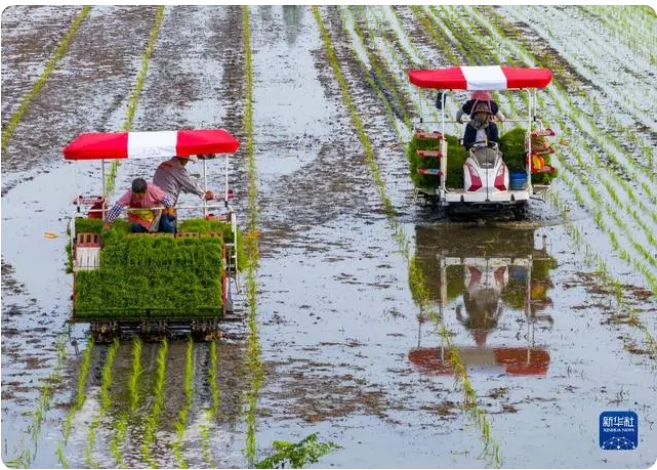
[478, 273]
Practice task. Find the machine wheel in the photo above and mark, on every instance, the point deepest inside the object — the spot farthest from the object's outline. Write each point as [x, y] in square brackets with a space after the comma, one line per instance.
[520, 211]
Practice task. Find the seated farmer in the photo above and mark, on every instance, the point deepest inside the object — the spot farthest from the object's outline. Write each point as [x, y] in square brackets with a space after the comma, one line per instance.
[481, 127]
[144, 202]
[471, 104]
[173, 178]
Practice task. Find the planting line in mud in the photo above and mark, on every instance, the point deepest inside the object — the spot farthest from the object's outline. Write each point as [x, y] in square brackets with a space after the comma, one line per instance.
[408, 50]
[124, 417]
[105, 403]
[417, 281]
[387, 63]
[181, 423]
[9, 130]
[252, 250]
[153, 420]
[592, 258]
[356, 34]
[24, 459]
[213, 410]
[396, 60]
[136, 92]
[586, 181]
[77, 405]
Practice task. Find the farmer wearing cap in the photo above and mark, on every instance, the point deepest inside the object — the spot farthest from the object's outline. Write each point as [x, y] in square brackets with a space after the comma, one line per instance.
[476, 98]
[144, 202]
[481, 127]
[173, 178]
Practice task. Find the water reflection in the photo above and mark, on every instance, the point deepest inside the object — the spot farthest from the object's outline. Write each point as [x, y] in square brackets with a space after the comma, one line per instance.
[292, 16]
[476, 276]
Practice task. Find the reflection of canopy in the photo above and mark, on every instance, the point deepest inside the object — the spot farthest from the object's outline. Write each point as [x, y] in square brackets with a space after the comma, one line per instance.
[494, 77]
[112, 145]
[517, 361]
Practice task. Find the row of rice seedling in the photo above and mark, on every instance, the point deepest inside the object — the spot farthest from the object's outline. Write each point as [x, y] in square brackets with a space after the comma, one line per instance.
[105, 402]
[398, 61]
[43, 403]
[407, 49]
[153, 419]
[76, 406]
[381, 63]
[121, 426]
[624, 23]
[416, 277]
[10, 128]
[592, 258]
[635, 96]
[369, 62]
[136, 91]
[581, 118]
[252, 250]
[211, 412]
[181, 422]
[586, 177]
[559, 103]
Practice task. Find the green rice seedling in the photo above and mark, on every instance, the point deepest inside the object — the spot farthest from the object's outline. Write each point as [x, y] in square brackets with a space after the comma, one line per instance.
[23, 460]
[121, 425]
[10, 128]
[153, 420]
[205, 445]
[152, 273]
[252, 250]
[297, 455]
[181, 422]
[77, 404]
[378, 65]
[43, 401]
[105, 402]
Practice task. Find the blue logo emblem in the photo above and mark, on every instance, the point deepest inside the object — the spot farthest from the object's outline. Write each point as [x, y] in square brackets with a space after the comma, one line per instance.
[619, 430]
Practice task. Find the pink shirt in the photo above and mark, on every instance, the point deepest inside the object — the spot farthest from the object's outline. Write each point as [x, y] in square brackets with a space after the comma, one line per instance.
[154, 197]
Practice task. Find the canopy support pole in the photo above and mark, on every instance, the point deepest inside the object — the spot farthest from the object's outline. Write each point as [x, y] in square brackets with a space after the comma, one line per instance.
[102, 164]
[529, 143]
[205, 187]
[226, 183]
[443, 160]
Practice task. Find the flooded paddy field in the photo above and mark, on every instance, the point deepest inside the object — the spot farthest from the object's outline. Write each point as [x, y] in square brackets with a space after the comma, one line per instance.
[405, 339]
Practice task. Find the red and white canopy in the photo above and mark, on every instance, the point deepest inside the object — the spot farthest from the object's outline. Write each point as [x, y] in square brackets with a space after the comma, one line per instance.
[493, 77]
[159, 144]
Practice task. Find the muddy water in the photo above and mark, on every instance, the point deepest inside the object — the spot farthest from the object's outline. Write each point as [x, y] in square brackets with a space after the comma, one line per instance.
[533, 339]
[347, 352]
[25, 49]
